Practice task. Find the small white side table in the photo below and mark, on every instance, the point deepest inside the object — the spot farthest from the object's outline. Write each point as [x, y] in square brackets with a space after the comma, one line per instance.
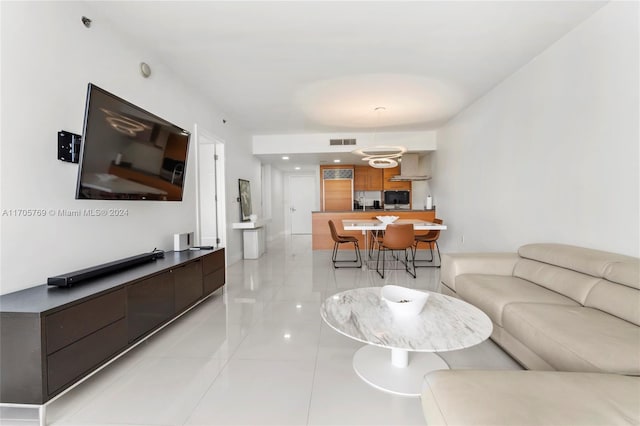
[253, 237]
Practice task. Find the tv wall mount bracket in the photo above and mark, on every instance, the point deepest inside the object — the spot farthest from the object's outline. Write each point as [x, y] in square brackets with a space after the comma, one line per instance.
[68, 146]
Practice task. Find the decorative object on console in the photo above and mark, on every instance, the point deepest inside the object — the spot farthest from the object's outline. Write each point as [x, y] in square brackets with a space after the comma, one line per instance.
[245, 199]
[182, 242]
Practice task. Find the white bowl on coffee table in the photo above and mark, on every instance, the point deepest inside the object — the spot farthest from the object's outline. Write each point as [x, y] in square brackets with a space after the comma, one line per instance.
[402, 300]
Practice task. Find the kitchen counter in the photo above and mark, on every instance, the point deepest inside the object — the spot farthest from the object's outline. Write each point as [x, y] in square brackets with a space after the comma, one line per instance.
[321, 235]
[372, 210]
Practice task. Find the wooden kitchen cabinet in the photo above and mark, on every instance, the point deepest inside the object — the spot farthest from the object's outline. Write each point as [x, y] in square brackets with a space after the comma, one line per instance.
[336, 194]
[388, 184]
[367, 178]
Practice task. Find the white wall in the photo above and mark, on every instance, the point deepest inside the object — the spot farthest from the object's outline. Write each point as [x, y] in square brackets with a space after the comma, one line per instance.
[550, 154]
[420, 189]
[240, 164]
[275, 229]
[48, 57]
[319, 142]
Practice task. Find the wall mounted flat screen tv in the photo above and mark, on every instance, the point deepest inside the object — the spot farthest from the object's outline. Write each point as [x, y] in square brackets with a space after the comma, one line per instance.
[128, 153]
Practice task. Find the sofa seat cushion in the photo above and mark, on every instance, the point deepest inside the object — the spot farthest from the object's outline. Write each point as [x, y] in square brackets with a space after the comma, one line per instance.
[469, 397]
[491, 293]
[576, 338]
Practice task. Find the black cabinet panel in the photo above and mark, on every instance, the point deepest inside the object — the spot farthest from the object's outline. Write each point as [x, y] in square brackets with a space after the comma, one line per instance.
[212, 262]
[214, 271]
[21, 360]
[81, 357]
[214, 281]
[67, 326]
[52, 337]
[188, 285]
[149, 304]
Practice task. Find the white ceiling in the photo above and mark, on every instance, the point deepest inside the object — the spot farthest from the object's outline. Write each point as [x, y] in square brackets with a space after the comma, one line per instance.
[302, 67]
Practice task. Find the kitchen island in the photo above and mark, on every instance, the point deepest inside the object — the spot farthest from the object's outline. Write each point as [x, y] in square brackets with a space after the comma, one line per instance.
[321, 235]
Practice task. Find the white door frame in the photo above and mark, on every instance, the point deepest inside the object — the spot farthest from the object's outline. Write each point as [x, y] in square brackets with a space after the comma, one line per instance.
[203, 136]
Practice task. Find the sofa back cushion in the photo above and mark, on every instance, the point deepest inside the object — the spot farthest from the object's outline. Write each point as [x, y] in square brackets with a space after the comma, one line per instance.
[580, 259]
[615, 299]
[572, 284]
[625, 273]
[606, 281]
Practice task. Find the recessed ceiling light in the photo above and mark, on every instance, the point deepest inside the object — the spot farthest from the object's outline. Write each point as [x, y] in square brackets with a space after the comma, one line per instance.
[336, 161]
[285, 157]
[297, 168]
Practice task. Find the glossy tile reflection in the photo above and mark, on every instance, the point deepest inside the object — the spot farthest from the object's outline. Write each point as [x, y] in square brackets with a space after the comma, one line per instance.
[257, 353]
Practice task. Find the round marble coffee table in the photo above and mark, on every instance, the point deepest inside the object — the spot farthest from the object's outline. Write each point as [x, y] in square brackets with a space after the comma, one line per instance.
[445, 324]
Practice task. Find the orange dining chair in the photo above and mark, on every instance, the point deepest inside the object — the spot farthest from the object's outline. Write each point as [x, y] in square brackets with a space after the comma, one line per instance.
[430, 238]
[397, 236]
[340, 238]
[376, 238]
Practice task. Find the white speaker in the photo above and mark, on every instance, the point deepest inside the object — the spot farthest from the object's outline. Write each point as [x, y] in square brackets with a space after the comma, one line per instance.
[182, 242]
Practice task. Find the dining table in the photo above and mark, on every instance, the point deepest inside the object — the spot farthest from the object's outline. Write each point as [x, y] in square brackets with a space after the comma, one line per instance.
[370, 226]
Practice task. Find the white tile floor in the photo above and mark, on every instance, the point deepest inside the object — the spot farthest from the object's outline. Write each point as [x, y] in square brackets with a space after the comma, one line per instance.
[257, 354]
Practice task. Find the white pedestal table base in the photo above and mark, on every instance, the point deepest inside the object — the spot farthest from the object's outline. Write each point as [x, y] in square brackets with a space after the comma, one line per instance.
[375, 365]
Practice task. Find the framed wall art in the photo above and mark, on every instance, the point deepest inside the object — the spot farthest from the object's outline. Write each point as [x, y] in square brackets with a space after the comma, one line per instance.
[245, 199]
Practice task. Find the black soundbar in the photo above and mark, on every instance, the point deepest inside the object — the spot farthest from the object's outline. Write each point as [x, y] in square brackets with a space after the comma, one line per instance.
[67, 280]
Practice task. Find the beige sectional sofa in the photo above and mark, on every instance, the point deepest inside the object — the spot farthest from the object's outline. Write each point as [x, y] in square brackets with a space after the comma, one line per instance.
[556, 308]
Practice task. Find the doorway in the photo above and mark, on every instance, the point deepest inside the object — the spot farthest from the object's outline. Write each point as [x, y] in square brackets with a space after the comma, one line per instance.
[211, 220]
[302, 199]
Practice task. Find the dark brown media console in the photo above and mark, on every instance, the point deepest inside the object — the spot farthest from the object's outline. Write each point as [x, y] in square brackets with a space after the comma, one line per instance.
[52, 337]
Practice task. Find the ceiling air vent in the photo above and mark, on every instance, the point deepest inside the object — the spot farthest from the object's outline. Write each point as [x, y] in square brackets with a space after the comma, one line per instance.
[333, 142]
